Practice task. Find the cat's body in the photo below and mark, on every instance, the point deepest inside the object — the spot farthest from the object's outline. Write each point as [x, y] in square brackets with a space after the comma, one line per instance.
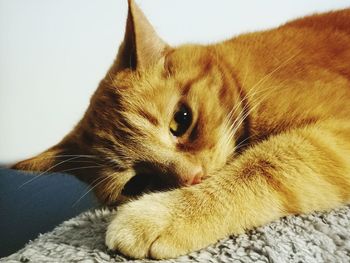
[261, 130]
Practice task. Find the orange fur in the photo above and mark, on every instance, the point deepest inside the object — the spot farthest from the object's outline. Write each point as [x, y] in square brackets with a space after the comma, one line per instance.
[270, 134]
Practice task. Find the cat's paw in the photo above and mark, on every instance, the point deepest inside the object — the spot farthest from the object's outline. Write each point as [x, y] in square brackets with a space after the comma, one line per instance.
[152, 227]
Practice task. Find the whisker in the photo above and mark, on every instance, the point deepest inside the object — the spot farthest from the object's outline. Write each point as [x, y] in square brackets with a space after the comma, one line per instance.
[242, 142]
[92, 187]
[79, 168]
[92, 183]
[49, 169]
[66, 155]
[238, 121]
[254, 91]
[268, 75]
[262, 80]
[257, 103]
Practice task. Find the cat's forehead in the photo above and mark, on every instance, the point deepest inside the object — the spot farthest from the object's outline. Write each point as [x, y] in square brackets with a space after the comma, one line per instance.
[177, 67]
[189, 60]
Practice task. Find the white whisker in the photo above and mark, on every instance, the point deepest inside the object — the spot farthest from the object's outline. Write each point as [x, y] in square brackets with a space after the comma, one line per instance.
[252, 92]
[79, 168]
[49, 169]
[92, 187]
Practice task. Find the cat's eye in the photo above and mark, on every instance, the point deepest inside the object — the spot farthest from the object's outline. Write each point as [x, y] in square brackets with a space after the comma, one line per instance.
[181, 121]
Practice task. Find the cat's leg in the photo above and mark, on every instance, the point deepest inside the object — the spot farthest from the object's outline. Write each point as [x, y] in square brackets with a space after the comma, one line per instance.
[296, 172]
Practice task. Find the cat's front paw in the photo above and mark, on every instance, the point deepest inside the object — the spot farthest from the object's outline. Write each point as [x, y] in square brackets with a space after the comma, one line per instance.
[151, 227]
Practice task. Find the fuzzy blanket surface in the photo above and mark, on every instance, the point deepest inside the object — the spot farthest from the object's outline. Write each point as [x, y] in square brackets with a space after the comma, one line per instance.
[318, 237]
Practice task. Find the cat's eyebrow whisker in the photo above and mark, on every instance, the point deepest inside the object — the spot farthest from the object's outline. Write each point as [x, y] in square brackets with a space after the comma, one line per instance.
[238, 121]
[254, 91]
[245, 107]
[230, 115]
[233, 128]
[263, 79]
[228, 125]
[234, 109]
[258, 91]
[257, 103]
[268, 75]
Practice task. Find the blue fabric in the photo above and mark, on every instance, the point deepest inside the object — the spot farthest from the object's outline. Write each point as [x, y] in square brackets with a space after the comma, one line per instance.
[31, 204]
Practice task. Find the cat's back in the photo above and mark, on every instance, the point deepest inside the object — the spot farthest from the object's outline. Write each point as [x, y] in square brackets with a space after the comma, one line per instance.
[334, 20]
[325, 38]
[321, 40]
[296, 73]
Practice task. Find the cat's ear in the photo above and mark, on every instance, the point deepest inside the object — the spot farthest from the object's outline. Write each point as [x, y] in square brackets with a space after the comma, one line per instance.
[142, 46]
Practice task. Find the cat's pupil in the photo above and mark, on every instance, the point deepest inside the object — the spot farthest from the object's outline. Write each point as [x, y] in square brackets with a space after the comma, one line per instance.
[181, 122]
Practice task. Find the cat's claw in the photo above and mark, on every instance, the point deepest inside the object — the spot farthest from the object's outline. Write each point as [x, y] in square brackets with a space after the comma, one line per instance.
[148, 228]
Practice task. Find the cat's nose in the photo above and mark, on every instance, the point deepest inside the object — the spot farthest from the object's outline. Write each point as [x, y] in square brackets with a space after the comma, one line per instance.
[195, 176]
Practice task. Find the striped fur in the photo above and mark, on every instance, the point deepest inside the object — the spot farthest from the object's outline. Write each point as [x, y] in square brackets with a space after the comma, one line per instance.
[270, 131]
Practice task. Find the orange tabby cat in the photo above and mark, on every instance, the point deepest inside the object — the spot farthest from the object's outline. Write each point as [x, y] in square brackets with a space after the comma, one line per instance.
[244, 132]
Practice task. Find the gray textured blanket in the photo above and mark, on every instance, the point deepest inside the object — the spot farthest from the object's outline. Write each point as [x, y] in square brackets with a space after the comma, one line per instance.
[319, 237]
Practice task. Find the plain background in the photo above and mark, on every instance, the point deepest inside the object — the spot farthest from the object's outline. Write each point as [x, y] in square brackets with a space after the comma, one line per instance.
[54, 53]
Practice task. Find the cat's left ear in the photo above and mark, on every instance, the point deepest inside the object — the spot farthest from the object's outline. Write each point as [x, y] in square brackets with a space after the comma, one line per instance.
[65, 156]
[142, 47]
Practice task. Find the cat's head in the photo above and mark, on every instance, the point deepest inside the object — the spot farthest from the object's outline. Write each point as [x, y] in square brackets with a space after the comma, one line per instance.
[162, 117]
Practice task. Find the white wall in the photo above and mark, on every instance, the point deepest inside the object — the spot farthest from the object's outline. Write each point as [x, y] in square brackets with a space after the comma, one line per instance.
[53, 53]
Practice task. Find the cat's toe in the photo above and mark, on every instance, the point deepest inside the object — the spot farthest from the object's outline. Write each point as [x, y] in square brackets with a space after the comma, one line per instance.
[167, 246]
[126, 239]
[136, 227]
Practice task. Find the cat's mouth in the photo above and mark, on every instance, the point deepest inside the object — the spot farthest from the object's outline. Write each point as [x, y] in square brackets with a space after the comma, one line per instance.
[154, 178]
[144, 183]
[149, 179]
